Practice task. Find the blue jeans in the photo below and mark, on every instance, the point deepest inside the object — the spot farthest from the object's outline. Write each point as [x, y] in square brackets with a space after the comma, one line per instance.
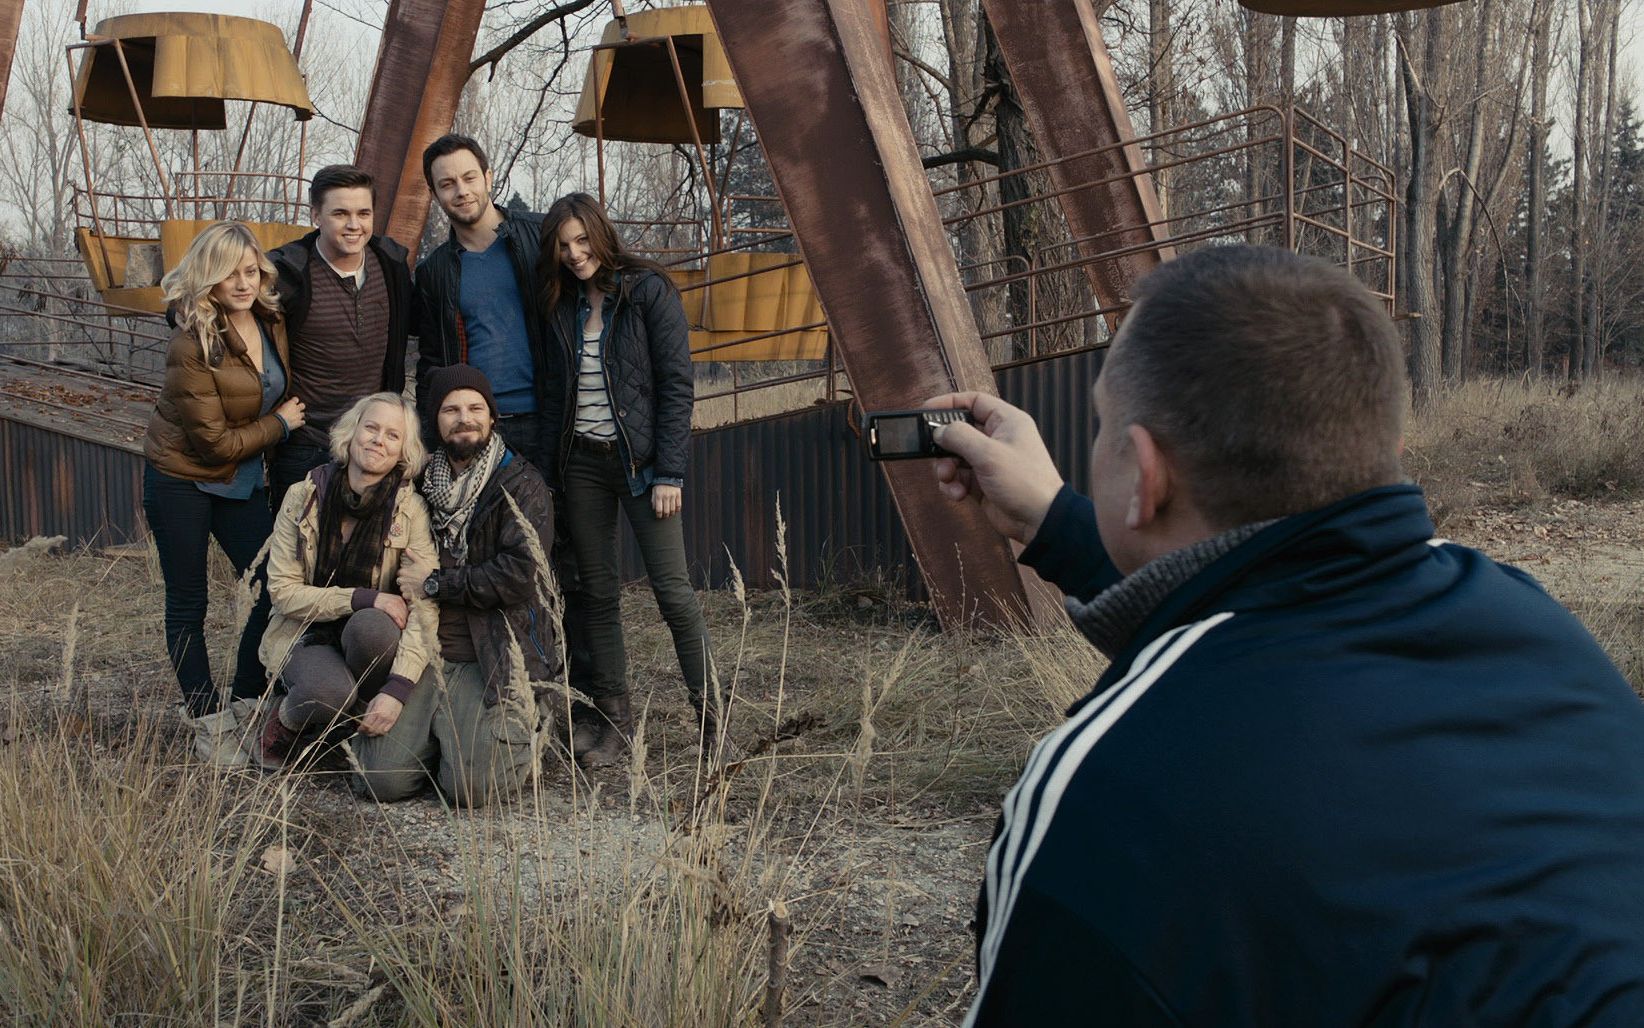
[184, 520]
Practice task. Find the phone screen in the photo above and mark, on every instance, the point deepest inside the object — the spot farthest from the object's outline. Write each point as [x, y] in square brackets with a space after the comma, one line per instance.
[899, 435]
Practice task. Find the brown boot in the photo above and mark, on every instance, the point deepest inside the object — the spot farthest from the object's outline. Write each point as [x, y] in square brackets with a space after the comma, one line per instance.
[586, 734]
[276, 743]
[613, 741]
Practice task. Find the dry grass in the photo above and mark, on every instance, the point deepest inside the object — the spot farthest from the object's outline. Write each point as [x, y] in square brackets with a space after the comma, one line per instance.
[639, 897]
[871, 755]
[1500, 443]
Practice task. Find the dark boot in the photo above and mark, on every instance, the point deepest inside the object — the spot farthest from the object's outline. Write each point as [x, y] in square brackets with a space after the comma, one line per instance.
[276, 744]
[613, 740]
[707, 723]
[586, 734]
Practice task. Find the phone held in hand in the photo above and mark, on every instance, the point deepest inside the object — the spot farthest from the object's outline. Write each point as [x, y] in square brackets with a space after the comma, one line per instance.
[908, 434]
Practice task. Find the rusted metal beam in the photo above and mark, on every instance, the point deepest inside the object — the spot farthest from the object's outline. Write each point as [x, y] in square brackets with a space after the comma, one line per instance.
[422, 65]
[11, 17]
[821, 90]
[1064, 78]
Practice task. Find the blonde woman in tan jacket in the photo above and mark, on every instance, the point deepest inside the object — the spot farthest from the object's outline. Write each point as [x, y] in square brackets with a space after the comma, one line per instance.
[343, 644]
[223, 404]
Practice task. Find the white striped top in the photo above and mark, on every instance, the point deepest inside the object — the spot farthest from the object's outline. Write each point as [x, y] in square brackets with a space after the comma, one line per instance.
[594, 416]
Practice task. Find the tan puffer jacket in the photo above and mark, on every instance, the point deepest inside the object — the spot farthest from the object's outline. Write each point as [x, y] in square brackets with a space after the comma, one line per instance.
[293, 550]
[205, 421]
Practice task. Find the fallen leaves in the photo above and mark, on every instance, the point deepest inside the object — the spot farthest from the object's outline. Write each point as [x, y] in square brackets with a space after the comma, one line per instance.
[279, 861]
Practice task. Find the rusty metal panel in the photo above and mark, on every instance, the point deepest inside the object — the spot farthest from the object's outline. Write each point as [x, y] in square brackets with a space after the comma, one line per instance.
[11, 18]
[422, 65]
[821, 89]
[1064, 78]
[58, 484]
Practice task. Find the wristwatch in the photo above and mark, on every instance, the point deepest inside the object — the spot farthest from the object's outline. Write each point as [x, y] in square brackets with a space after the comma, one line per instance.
[431, 584]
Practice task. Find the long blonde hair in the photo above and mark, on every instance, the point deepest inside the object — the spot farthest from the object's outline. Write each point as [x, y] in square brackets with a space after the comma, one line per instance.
[212, 257]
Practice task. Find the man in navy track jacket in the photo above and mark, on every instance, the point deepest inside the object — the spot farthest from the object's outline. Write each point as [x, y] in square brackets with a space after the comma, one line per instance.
[1339, 771]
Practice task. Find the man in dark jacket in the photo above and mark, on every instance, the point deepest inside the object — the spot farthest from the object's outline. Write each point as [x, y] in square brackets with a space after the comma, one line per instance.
[346, 296]
[1339, 771]
[490, 513]
[477, 304]
[476, 297]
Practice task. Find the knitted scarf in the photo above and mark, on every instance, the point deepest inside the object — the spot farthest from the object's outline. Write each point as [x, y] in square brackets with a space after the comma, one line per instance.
[353, 564]
[451, 497]
[1112, 616]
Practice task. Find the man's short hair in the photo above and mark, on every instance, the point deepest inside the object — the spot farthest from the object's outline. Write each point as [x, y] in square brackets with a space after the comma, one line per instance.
[1276, 381]
[449, 144]
[338, 176]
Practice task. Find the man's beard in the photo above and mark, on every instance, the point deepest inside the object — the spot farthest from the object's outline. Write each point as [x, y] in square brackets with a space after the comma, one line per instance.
[464, 449]
[457, 219]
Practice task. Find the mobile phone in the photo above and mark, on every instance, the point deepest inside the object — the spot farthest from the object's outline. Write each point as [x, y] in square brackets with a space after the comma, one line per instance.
[908, 434]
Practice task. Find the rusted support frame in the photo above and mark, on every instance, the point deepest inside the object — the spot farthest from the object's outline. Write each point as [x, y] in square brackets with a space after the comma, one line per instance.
[11, 18]
[422, 65]
[1064, 77]
[821, 90]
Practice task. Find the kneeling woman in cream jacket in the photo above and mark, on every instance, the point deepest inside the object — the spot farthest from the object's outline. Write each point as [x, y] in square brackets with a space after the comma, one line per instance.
[342, 642]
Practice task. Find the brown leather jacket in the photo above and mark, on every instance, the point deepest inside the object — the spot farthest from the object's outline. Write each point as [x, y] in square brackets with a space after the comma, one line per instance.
[205, 421]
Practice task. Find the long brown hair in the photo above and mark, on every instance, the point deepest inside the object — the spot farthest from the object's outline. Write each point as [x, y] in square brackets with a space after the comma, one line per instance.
[554, 279]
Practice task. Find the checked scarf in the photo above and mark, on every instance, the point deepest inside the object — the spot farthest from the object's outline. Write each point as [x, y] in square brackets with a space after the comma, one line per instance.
[451, 498]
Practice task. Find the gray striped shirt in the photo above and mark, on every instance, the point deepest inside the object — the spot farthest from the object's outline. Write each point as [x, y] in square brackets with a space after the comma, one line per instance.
[594, 417]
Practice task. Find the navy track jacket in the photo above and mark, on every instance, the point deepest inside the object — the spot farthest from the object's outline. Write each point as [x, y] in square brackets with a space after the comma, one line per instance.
[1348, 774]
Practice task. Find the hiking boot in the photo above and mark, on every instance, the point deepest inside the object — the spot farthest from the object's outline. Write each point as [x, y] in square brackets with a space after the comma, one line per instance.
[217, 738]
[613, 740]
[586, 734]
[276, 744]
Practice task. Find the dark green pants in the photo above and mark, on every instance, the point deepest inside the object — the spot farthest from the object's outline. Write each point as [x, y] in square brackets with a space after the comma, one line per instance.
[595, 489]
[477, 754]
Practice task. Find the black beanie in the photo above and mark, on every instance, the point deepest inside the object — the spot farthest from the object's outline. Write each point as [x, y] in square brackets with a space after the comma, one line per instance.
[452, 377]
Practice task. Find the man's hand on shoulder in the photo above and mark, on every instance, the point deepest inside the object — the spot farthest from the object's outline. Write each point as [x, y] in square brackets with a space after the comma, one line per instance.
[1001, 464]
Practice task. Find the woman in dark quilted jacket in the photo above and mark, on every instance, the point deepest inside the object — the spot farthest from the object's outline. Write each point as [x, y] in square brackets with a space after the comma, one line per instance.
[620, 390]
[223, 404]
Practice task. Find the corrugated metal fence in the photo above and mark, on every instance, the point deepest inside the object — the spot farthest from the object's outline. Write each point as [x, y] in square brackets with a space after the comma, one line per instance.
[840, 521]
[52, 483]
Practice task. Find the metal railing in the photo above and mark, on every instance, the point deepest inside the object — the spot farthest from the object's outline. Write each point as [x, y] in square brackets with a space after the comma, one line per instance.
[1274, 175]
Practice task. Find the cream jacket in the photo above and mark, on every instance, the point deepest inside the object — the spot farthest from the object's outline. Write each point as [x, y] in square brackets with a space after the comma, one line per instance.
[292, 552]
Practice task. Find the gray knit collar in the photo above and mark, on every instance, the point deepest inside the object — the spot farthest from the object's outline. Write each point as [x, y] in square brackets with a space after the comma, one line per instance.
[1112, 617]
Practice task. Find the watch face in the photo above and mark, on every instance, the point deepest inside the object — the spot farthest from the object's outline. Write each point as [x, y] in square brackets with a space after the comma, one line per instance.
[431, 585]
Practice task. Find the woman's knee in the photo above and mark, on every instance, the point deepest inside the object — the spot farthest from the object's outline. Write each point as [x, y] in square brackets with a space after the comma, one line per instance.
[370, 641]
[370, 630]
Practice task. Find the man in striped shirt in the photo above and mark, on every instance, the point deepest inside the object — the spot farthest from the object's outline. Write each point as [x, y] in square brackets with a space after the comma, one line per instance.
[1338, 771]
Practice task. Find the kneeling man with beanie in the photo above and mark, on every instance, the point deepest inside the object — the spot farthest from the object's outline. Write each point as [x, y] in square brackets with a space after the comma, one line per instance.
[491, 516]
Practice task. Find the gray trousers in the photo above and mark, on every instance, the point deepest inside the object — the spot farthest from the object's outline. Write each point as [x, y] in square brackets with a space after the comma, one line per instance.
[476, 754]
[326, 684]
[595, 489]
